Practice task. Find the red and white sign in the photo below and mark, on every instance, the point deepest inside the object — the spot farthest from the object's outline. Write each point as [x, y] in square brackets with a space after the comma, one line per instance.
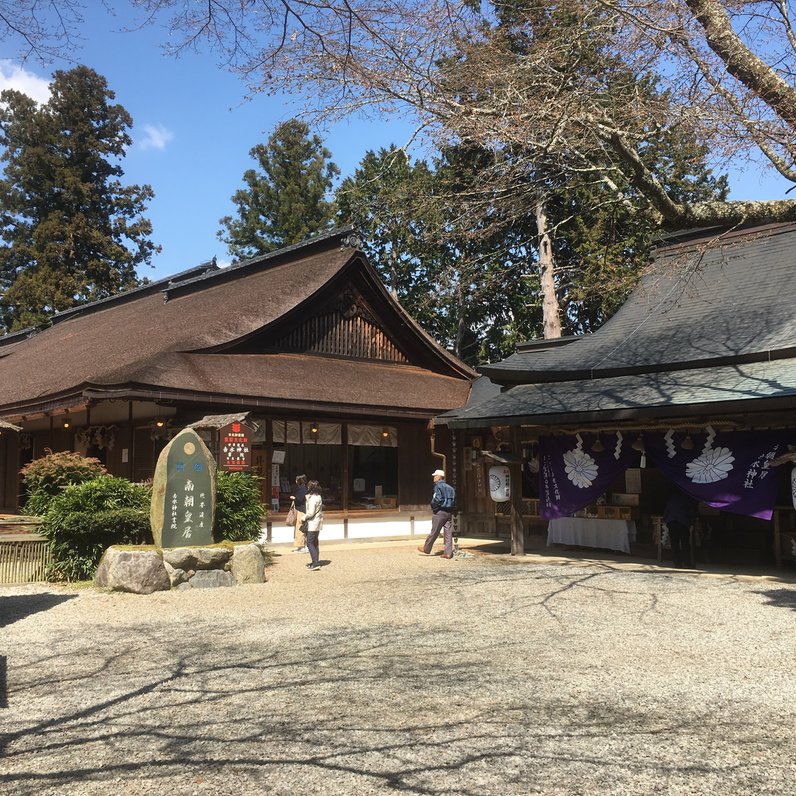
[235, 447]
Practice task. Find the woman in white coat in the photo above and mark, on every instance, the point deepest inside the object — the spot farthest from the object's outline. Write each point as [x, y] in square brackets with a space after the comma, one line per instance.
[314, 518]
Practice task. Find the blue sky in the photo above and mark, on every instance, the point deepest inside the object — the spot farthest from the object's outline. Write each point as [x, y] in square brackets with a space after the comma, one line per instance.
[193, 130]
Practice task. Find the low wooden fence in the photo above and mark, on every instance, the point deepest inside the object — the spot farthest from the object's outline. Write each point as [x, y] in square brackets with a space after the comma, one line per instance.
[23, 560]
[24, 555]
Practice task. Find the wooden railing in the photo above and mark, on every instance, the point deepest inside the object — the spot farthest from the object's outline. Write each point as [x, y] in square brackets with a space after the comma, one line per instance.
[24, 555]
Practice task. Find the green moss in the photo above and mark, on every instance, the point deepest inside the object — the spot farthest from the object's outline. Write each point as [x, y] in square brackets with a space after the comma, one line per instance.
[134, 547]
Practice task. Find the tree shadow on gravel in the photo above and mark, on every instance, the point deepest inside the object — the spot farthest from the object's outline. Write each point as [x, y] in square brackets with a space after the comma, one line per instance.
[17, 606]
[346, 710]
[538, 587]
[781, 598]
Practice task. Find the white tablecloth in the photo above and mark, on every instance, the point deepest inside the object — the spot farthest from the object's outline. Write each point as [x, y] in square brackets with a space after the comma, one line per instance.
[587, 532]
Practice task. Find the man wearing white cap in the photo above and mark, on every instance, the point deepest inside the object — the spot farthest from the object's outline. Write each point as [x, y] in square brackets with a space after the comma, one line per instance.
[443, 499]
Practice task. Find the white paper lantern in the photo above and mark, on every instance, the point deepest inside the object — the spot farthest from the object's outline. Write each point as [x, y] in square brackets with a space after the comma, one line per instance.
[499, 483]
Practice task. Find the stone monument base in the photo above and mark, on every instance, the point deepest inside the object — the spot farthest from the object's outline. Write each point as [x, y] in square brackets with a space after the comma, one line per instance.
[146, 570]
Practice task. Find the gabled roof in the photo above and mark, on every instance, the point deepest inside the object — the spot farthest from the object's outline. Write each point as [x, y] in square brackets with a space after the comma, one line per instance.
[711, 328]
[140, 340]
[709, 299]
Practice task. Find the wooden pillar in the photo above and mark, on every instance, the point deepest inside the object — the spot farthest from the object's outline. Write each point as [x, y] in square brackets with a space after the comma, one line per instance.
[267, 483]
[515, 469]
[777, 540]
[345, 492]
[131, 443]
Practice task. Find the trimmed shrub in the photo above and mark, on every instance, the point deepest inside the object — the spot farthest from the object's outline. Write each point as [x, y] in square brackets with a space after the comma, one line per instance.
[239, 512]
[83, 519]
[87, 518]
[47, 477]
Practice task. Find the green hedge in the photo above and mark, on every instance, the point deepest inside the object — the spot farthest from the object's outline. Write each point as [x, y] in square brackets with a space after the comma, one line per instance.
[239, 512]
[84, 511]
[47, 477]
[87, 518]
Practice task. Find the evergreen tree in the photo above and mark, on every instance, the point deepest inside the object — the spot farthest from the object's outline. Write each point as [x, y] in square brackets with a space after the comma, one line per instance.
[72, 233]
[602, 246]
[385, 200]
[284, 201]
[469, 288]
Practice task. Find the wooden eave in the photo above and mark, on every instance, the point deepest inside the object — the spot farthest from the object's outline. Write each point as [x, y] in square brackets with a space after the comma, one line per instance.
[508, 376]
[318, 409]
[764, 407]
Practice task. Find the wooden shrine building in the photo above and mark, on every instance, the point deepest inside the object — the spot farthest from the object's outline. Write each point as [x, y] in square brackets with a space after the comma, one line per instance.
[692, 383]
[305, 346]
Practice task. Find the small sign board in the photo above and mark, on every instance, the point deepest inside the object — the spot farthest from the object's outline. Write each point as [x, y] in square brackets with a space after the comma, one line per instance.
[235, 447]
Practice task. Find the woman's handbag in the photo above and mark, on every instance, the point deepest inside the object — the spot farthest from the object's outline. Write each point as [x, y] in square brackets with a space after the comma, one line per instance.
[291, 515]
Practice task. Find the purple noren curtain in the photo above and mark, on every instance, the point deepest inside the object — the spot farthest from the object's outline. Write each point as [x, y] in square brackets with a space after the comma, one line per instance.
[573, 475]
[727, 469]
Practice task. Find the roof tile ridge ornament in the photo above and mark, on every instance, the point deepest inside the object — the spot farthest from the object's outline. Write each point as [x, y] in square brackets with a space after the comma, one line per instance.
[209, 267]
[351, 241]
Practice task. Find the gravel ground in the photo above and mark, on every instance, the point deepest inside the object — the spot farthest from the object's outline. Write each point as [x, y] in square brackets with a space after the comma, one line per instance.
[390, 672]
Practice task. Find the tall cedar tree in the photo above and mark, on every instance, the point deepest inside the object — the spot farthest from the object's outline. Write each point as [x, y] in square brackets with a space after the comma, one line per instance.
[472, 292]
[72, 233]
[600, 242]
[285, 201]
[383, 199]
[601, 247]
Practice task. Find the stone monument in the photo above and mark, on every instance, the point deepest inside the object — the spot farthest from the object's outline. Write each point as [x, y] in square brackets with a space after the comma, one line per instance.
[184, 493]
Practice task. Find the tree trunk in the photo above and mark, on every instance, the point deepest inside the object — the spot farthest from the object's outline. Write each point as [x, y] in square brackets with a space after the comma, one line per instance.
[551, 318]
[461, 326]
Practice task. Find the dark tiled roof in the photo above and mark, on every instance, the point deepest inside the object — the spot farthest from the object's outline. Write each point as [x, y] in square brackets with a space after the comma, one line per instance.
[624, 397]
[719, 299]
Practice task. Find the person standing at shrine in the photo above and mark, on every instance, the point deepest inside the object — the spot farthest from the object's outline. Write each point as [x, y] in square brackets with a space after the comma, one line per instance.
[679, 515]
[314, 522]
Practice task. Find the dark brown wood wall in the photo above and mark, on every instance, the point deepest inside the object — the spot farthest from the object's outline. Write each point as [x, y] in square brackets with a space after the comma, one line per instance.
[415, 465]
[331, 333]
[9, 483]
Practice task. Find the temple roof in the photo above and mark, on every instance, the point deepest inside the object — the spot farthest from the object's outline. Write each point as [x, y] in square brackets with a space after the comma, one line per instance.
[215, 334]
[710, 328]
[710, 299]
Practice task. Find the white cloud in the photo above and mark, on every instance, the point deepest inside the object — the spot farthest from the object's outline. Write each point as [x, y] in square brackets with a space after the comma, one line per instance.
[156, 136]
[223, 263]
[14, 76]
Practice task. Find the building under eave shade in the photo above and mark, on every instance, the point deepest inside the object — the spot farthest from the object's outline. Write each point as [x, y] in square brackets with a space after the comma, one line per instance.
[695, 371]
[304, 345]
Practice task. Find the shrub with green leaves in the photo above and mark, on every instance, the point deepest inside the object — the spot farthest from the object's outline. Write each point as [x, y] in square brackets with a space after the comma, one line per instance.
[47, 477]
[82, 520]
[86, 519]
[239, 512]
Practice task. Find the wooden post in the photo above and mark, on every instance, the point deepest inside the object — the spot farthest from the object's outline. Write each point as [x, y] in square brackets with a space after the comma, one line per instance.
[345, 492]
[515, 470]
[777, 540]
[131, 444]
